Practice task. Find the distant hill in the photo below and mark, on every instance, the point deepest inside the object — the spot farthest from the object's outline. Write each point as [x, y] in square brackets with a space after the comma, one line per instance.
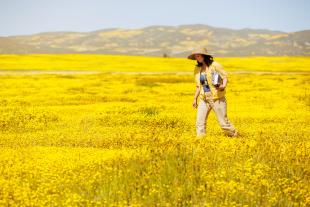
[163, 40]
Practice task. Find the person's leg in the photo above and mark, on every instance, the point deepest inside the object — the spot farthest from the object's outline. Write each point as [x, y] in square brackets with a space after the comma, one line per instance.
[220, 109]
[203, 111]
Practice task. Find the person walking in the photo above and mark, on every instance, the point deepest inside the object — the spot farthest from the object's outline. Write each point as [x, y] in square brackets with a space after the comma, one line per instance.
[211, 81]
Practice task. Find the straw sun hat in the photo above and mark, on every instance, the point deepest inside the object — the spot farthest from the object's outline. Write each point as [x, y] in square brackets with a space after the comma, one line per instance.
[201, 50]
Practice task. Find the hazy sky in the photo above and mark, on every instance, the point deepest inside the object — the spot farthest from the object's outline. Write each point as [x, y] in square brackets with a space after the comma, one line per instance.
[33, 16]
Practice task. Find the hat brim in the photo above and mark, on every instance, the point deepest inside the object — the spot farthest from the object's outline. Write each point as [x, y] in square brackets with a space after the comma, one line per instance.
[192, 56]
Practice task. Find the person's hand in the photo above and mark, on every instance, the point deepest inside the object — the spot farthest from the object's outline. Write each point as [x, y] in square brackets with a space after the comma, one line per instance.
[194, 103]
[221, 87]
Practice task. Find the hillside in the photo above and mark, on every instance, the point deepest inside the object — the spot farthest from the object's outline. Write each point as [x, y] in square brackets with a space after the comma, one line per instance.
[159, 40]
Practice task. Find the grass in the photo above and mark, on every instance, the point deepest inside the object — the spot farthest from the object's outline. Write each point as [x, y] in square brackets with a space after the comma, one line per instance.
[129, 140]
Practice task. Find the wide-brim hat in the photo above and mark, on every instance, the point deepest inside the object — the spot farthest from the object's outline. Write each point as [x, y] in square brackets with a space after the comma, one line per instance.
[202, 51]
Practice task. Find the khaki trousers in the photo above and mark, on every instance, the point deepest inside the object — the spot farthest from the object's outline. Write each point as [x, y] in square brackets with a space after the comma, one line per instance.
[219, 106]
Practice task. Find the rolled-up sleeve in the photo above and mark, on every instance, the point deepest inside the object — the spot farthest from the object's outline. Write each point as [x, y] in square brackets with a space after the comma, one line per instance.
[196, 76]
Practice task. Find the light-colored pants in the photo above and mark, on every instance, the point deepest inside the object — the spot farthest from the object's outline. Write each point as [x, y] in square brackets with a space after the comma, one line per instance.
[219, 106]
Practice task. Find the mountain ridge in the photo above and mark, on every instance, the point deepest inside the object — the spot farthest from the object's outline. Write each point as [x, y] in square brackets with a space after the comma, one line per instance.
[160, 40]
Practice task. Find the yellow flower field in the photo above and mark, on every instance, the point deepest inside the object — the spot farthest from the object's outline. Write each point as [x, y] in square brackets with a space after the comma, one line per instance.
[125, 135]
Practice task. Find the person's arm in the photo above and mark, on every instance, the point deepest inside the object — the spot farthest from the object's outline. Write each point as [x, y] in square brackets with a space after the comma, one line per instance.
[197, 89]
[224, 84]
[220, 69]
[196, 96]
